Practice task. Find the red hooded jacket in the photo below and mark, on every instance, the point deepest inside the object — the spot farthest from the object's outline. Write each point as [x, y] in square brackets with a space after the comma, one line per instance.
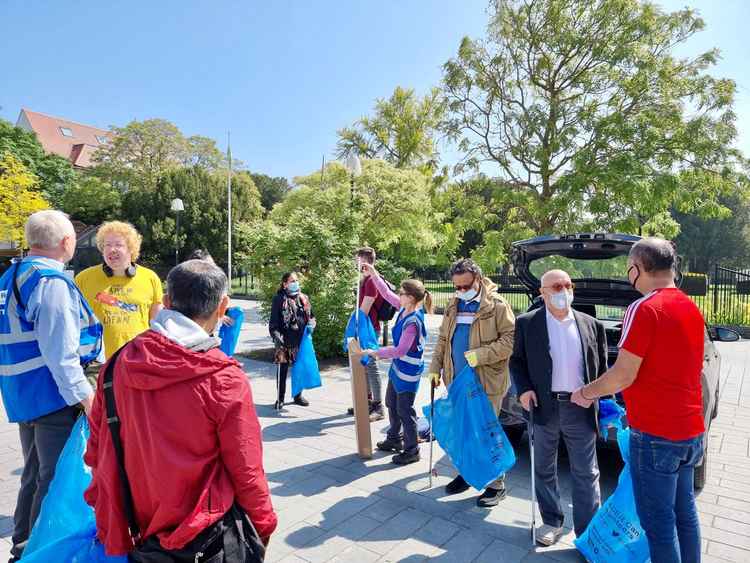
[192, 446]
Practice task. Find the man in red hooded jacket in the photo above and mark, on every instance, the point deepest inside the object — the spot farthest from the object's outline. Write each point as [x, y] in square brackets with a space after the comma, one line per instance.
[190, 434]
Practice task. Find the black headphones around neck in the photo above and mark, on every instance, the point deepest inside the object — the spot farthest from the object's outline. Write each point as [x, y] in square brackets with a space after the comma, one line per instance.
[129, 271]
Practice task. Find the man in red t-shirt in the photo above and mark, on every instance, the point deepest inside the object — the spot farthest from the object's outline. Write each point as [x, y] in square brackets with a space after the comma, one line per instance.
[659, 371]
[370, 302]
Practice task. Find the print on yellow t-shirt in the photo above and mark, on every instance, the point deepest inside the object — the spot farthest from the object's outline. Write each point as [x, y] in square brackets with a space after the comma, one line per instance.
[122, 304]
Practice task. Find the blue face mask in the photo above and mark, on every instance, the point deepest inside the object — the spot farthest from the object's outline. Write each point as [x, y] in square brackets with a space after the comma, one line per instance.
[293, 288]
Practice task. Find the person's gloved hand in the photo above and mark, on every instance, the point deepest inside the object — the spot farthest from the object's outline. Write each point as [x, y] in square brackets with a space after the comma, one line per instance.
[471, 358]
[278, 339]
[312, 323]
[435, 379]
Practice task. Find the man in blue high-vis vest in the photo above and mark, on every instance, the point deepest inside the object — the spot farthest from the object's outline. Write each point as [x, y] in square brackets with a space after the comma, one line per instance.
[47, 334]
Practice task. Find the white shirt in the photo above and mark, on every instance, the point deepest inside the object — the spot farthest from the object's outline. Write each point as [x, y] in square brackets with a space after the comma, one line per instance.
[566, 352]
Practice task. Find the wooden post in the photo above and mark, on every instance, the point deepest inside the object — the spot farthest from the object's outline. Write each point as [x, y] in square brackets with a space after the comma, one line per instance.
[359, 399]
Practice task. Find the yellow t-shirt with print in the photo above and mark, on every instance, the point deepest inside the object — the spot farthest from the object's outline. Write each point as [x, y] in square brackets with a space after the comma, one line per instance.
[122, 304]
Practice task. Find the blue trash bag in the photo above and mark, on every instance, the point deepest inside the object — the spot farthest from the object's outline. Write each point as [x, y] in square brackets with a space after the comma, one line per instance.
[615, 534]
[466, 427]
[610, 414]
[368, 338]
[66, 528]
[230, 335]
[305, 371]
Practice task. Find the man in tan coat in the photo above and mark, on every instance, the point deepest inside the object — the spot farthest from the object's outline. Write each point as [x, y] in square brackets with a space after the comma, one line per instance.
[477, 330]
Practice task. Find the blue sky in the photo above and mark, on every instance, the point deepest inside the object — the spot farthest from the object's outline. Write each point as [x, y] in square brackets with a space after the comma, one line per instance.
[282, 75]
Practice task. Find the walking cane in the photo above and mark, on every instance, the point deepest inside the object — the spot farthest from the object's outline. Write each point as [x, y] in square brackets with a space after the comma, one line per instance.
[432, 436]
[278, 386]
[533, 483]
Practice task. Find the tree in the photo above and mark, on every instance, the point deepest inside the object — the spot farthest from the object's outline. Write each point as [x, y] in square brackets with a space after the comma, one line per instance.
[272, 190]
[588, 115]
[393, 207]
[19, 198]
[321, 249]
[726, 241]
[92, 200]
[142, 151]
[482, 218]
[54, 174]
[203, 224]
[402, 131]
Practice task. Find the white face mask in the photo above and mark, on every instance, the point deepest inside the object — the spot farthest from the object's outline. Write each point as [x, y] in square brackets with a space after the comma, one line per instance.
[562, 300]
[467, 295]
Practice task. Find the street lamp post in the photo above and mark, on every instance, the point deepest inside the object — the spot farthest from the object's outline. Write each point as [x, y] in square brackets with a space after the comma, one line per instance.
[354, 166]
[177, 207]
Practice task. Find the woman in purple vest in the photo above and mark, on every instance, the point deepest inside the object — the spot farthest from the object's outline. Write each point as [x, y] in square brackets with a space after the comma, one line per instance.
[409, 338]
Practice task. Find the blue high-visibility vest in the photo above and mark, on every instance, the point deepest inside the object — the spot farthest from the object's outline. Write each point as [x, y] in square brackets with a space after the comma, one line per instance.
[28, 388]
[406, 370]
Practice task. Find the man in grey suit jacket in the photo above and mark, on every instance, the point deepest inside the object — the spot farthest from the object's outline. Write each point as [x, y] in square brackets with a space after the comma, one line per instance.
[557, 350]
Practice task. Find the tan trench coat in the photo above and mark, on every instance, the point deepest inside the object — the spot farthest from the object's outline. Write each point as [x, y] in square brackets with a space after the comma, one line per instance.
[491, 337]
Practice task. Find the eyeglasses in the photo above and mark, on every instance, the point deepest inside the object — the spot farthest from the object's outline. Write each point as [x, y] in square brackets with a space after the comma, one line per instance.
[559, 286]
[402, 293]
[463, 287]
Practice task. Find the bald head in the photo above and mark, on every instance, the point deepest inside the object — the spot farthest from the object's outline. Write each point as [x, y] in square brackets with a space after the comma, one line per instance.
[554, 276]
[654, 254]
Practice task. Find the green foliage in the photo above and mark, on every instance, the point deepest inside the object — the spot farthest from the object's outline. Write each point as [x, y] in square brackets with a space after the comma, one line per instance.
[392, 206]
[402, 130]
[319, 248]
[725, 241]
[91, 200]
[272, 190]
[588, 114]
[54, 173]
[142, 151]
[203, 224]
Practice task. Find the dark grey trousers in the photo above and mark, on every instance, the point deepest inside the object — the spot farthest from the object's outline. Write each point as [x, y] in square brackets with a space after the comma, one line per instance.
[401, 414]
[373, 381]
[576, 426]
[42, 440]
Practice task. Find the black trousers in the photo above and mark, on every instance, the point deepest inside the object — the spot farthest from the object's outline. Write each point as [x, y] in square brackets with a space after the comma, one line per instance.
[401, 414]
[282, 373]
[42, 441]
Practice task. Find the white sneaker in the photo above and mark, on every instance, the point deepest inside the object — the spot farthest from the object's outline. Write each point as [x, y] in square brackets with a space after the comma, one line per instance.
[548, 535]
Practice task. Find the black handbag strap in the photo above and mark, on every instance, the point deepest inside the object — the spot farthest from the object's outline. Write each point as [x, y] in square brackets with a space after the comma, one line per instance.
[16, 291]
[113, 421]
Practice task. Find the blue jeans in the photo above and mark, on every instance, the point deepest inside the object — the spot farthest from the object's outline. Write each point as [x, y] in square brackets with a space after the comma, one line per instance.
[662, 473]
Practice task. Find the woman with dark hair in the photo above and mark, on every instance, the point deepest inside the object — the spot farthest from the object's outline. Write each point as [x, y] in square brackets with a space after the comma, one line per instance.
[290, 314]
[409, 339]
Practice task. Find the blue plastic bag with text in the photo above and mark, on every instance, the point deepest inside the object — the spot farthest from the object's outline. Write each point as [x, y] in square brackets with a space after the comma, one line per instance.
[368, 338]
[66, 528]
[615, 534]
[467, 428]
[305, 371]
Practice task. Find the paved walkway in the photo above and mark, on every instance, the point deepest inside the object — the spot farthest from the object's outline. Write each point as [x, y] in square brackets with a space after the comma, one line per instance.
[333, 506]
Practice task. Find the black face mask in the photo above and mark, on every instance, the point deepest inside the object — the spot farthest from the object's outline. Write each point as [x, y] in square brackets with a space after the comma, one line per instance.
[638, 275]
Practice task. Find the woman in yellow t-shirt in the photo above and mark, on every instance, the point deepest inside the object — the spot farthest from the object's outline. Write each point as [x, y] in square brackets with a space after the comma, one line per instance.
[124, 296]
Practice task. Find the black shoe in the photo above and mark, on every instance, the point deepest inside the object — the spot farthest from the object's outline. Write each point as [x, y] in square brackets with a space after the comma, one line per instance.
[389, 445]
[458, 485]
[278, 405]
[301, 401]
[405, 458]
[350, 411]
[490, 497]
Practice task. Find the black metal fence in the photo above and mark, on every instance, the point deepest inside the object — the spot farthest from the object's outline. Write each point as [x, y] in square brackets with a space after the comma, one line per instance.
[727, 299]
[509, 286]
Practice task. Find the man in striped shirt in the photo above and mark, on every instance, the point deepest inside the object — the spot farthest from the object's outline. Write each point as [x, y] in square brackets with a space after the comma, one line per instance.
[658, 369]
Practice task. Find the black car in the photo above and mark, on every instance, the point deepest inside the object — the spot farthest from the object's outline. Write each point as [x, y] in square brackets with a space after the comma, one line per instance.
[597, 264]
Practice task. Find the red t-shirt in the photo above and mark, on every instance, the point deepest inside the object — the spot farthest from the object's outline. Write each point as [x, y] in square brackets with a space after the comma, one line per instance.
[666, 329]
[369, 290]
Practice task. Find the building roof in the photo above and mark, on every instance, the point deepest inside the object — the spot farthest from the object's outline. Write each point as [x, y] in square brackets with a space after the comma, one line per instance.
[73, 141]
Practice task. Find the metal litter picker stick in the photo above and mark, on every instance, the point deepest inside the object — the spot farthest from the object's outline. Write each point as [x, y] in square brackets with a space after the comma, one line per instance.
[533, 482]
[432, 418]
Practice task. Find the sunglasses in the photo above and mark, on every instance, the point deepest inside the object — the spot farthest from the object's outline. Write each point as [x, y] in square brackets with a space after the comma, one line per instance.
[559, 286]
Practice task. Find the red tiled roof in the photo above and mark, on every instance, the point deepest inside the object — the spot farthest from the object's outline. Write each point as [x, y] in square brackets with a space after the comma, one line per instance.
[78, 148]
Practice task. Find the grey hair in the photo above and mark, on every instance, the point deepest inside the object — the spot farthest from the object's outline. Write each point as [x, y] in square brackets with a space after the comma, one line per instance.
[655, 254]
[46, 229]
[466, 266]
[195, 288]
